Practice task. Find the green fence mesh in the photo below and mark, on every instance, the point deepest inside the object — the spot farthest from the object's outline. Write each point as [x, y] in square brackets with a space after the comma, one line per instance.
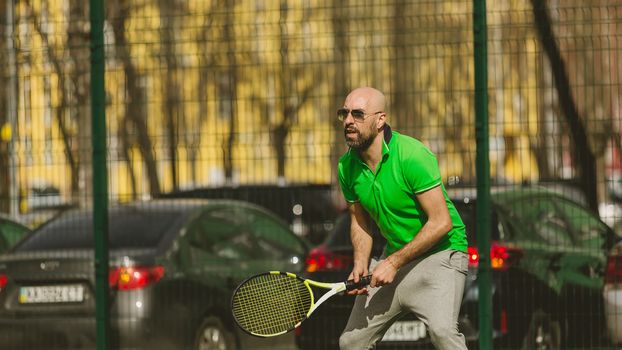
[223, 142]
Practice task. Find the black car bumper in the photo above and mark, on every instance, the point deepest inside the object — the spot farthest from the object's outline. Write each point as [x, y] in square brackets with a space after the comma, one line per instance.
[77, 332]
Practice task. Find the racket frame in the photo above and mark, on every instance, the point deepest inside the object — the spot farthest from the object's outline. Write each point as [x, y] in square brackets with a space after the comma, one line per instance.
[334, 288]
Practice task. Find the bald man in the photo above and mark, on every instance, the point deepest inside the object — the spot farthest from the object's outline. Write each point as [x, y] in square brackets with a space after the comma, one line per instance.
[395, 180]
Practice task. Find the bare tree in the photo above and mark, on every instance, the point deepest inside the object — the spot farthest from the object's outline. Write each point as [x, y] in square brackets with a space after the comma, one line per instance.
[173, 113]
[134, 118]
[63, 118]
[206, 64]
[341, 58]
[400, 102]
[79, 78]
[582, 154]
[293, 96]
[227, 87]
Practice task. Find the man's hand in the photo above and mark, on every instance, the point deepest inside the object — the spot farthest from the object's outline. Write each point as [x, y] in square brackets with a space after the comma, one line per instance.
[383, 273]
[356, 274]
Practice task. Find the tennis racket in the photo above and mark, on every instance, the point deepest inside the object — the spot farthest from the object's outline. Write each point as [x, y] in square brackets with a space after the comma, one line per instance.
[274, 303]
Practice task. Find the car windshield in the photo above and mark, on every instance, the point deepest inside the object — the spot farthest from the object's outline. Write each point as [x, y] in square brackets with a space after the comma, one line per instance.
[129, 228]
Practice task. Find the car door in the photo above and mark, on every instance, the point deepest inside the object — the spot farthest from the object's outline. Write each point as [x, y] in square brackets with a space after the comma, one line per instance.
[543, 235]
[584, 264]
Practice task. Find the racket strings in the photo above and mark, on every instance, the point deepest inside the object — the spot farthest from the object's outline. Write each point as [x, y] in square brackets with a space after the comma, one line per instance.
[277, 308]
[270, 304]
[273, 310]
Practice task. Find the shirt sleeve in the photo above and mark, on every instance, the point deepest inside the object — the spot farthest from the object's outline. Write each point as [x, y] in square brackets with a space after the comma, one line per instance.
[421, 169]
[346, 185]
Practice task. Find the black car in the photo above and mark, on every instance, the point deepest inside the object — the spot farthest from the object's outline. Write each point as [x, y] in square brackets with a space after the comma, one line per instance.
[308, 209]
[173, 267]
[548, 257]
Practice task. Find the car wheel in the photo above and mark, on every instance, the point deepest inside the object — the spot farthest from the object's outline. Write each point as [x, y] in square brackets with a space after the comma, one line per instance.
[544, 332]
[212, 335]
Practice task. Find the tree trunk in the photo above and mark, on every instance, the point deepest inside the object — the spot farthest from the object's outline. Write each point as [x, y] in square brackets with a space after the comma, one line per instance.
[78, 43]
[134, 111]
[229, 90]
[171, 90]
[341, 58]
[583, 157]
[61, 109]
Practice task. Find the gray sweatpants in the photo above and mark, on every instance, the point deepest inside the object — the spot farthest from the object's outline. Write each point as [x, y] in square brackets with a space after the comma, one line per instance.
[431, 288]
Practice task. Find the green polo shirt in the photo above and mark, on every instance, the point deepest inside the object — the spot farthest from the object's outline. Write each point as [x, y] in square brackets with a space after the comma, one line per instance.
[389, 195]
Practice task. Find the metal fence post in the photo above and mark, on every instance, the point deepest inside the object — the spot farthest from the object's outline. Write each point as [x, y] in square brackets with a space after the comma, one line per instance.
[100, 178]
[12, 106]
[483, 173]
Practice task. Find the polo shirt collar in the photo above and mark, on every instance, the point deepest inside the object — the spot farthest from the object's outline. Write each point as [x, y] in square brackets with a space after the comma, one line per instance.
[388, 134]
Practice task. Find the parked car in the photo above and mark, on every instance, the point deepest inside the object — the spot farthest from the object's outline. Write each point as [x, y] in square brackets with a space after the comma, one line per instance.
[548, 258]
[612, 294]
[173, 267]
[11, 231]
[308, 209]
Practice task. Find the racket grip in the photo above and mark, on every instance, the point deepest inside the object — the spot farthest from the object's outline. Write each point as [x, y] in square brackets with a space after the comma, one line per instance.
[363, 281]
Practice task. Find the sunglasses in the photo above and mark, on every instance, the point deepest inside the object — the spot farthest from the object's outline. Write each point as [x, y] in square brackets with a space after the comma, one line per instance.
[359, 115]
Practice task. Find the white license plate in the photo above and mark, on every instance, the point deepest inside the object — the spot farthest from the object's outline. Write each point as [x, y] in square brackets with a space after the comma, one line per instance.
[73, 293]
[405, 331]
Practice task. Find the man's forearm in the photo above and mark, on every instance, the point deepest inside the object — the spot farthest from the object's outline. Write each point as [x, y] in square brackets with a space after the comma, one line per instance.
[361, 244]
[438, 224]
[359, 235]
[430, 234]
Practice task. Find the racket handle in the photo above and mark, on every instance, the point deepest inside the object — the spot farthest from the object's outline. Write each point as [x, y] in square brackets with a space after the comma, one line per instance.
[363, 281]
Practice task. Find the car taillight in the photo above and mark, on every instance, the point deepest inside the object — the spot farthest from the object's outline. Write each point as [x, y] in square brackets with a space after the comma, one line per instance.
[501, 257]
[473, 256]
[614, 269]
[134, 277]
[4, 279]
[320, 259]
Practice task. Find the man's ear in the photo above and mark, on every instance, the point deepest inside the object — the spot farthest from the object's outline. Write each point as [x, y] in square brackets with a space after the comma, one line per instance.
[381, 120]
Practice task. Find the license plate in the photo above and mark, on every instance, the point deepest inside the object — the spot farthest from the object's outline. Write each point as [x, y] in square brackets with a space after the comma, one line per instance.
[405, 331]
[73, 293]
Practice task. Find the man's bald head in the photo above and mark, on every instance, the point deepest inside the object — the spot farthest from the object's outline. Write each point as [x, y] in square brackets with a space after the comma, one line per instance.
[367, 98]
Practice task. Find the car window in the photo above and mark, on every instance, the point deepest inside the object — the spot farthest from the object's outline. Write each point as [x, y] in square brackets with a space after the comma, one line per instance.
[220, 233]
[241, 246]
[128, 228]
[10, 234]
[241, 233]
[543, 220]
[588, 230]
[273, 238]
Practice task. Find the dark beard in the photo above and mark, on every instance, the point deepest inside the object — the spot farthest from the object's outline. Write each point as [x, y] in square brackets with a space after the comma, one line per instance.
[361, 144]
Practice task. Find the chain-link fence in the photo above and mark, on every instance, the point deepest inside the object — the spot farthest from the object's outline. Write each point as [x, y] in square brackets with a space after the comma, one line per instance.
[219, 110]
